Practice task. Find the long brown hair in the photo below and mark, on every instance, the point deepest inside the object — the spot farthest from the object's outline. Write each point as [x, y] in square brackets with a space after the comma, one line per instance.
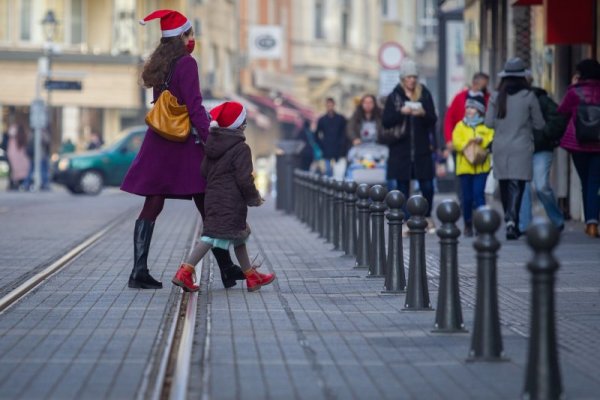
[508, 86]
[157, 67]
[359, 113]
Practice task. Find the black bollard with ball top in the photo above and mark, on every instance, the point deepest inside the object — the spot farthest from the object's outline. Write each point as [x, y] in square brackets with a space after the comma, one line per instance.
[330, 209]
[338, 210]
[350, 219]
[448, 317]
[322, 211]
[364, 227]
[486, 341]
[377, 194]
[395, 280]
[543, 373]
[417, 292]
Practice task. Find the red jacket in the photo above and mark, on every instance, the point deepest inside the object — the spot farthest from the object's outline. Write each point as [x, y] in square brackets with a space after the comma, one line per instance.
[456, 112]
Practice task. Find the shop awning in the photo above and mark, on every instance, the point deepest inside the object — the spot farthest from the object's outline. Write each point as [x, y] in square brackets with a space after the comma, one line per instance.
[282, 112]
[569, 23]
[305, 111]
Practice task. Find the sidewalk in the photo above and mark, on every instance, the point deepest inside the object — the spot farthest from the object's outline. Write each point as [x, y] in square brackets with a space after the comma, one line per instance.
[324, 331]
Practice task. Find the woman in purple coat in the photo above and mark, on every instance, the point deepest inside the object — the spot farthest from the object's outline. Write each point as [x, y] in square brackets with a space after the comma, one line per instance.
[165, 169]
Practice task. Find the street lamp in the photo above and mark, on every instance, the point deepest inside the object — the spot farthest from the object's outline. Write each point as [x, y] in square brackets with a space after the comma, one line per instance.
[39, 112]
[49, 23]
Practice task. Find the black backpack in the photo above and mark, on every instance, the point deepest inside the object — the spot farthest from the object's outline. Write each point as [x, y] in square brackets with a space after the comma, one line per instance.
[587, 121]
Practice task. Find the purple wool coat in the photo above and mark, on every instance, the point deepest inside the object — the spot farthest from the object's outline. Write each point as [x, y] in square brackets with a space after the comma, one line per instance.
[167, 168]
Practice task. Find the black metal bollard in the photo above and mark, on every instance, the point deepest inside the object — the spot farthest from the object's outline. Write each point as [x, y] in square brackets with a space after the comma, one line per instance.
[315, 202]
[301, 196]
[395, 280]
[417, 292]
[486, 341]
[312, 178]
[338, 216]
[364, 227]
[322, 212]
[350, 219]
[448, 317]
[297, 190]
[330, 210]
[377, 194]
[543, 373]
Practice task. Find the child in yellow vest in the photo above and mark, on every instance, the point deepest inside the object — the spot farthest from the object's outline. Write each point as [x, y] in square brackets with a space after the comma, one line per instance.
[472, 175]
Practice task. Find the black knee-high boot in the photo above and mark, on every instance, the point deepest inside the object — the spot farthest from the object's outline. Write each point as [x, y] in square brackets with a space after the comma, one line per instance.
[140, 277]
[229, 271]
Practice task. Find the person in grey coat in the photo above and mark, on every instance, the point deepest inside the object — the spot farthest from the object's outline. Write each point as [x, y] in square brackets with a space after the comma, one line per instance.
[513, 112]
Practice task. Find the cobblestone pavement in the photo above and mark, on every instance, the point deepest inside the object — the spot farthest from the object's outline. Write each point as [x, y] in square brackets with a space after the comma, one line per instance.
[38, 228]
[320, 331]
[324, 331]
[84, 334]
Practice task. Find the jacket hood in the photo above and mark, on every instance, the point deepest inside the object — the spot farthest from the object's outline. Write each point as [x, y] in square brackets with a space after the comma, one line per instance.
[221, 139]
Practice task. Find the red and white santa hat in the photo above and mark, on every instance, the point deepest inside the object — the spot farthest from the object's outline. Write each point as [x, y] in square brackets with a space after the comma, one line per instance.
[172, 23]
[230, 114]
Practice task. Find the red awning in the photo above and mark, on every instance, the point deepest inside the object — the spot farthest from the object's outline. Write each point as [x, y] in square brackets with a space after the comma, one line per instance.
[569, 23]
[528, 3]
[283, 114]
[305, 111]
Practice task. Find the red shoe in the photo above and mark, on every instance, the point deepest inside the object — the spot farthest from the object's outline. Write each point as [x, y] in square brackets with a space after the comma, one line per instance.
[255, 280]
[184, 278]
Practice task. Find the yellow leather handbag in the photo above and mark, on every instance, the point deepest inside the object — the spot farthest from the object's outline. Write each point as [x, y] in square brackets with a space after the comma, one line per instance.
[167, 117]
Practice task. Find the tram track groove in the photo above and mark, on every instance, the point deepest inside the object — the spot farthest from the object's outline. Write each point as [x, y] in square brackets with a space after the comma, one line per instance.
[39, 278]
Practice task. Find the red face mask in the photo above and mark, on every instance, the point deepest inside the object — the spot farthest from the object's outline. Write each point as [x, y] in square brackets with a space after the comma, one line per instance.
[190, 45]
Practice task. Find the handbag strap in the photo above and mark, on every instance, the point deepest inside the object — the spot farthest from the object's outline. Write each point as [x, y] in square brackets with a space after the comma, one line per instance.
[165, 84]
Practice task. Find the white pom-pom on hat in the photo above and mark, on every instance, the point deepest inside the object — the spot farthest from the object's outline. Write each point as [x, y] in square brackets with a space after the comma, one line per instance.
[214, 124]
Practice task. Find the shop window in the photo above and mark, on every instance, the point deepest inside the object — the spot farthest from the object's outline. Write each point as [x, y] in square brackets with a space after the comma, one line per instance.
[76, 21]
[319, 19]
[26, 20]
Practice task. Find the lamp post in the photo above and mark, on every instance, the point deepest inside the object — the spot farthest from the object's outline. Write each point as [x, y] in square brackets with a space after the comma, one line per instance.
[39, 112]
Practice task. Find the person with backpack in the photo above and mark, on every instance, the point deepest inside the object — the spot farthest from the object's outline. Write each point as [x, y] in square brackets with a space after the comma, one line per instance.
[544, 141]
[581, 105]
[513, 112]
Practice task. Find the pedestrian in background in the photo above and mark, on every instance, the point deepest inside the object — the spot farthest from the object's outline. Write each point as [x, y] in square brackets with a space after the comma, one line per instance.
[331, 136]
[410, 105]
[456, 111]
[230, 190]
[311, 154]
[545, 141]
[165, 169]
[471, 131]
[16, 153]
[586, 156]
[95, 141]
[513, 112]
[365, 123]
[46, 141]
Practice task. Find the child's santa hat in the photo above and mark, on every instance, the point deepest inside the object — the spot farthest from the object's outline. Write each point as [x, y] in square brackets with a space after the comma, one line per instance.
[172, 23]
[230, 115]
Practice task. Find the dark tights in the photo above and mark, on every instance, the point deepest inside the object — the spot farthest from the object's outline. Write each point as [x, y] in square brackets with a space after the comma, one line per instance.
[154, 205]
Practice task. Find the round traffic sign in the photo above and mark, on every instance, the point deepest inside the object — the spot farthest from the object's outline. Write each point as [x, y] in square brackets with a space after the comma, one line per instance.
[391, 55]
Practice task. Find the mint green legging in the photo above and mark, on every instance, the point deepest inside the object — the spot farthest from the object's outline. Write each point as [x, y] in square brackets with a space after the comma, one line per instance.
[241, 253]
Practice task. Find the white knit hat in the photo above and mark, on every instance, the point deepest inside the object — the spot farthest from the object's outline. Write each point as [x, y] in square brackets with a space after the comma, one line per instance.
[408, 68]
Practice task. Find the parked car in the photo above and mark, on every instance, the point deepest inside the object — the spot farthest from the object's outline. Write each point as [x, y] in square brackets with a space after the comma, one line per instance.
[90, 171]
